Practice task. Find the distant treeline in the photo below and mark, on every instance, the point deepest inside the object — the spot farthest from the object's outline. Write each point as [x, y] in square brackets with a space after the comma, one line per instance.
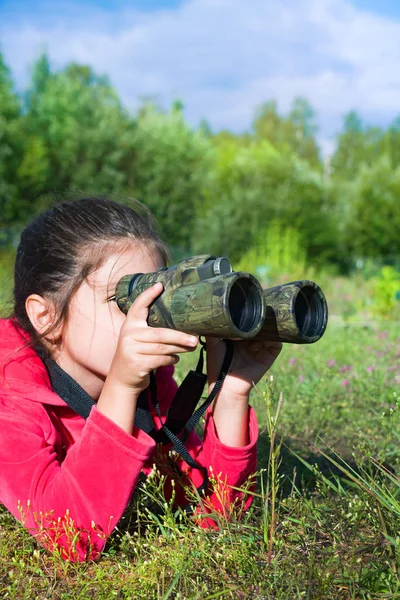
[211, 191]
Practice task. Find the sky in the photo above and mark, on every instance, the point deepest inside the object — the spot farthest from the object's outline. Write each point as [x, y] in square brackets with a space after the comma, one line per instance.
[222, 58]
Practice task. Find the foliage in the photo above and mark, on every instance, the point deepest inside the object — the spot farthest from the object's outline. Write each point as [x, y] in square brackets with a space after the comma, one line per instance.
[171, 165]
[277, 255]
[295, 132]
[362, 146]
[78, 133]
[374, 218]
[10, 147]
[6, 267]
[350, 152]
[216, 192]
[254, 185]
[386, 293]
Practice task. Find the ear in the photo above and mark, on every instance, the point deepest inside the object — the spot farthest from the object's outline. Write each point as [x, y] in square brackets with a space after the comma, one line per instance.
[41, 314]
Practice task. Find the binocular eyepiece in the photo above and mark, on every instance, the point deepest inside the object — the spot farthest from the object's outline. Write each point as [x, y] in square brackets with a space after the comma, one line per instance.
[203, 296]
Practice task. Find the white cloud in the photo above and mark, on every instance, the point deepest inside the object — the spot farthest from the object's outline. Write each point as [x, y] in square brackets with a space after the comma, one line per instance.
[224, 57]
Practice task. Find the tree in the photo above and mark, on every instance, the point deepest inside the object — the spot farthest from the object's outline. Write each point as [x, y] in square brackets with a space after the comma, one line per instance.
[77, 134]
[302, 130]
[10, 148]
[295, 132]
[268, 125]
[254, 185]
[374, 220]
[389, 142]
[356, 146]
[171, 167]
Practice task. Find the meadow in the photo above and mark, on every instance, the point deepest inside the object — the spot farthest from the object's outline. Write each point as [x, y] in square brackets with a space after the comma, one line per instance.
[325, 520]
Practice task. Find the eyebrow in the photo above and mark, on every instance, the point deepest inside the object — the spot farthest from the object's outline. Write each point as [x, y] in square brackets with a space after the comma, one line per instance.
[104, 288]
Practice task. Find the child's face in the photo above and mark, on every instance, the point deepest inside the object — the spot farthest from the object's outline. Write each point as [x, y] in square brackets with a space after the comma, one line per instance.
[89, 338]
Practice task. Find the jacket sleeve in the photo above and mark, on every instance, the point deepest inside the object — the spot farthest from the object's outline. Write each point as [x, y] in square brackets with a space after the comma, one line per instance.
[229, 469]
[70, 503]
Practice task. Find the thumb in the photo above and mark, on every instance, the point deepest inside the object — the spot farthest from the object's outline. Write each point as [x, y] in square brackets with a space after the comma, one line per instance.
[139, 311]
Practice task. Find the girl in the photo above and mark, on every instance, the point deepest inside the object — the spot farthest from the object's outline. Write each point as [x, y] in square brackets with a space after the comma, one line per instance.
[62, 473]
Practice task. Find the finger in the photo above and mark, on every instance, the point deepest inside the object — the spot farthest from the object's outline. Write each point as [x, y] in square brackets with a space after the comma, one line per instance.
[146, 349]
[276, 347]
[255, 346]
[140, 307]
[161, 335]
[162, 361]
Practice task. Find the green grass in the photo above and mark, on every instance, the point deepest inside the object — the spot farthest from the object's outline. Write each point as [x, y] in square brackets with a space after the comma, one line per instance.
[325, 521]
[6, 265]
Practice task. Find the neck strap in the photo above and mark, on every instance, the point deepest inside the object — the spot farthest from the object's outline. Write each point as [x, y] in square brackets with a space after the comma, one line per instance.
[181, 419]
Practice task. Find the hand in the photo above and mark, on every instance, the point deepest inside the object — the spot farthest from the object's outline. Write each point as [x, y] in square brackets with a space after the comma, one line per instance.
[251, 360]
[142, 349]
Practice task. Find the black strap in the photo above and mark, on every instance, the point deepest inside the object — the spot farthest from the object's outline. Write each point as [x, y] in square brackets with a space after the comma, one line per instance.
[180, 417]
[177, 443]
[66, 387]
[186, 398]
[229, 351]
[80, 401]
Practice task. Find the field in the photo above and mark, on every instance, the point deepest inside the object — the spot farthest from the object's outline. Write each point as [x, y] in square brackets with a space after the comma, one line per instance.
[326, 513]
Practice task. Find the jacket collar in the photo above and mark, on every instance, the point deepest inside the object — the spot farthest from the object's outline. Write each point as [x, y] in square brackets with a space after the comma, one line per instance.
[21, 369]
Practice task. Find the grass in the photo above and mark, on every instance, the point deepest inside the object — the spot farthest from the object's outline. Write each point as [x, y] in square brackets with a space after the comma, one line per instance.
[325, 521]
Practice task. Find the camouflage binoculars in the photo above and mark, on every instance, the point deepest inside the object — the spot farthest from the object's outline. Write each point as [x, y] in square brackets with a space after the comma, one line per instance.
[203, 296]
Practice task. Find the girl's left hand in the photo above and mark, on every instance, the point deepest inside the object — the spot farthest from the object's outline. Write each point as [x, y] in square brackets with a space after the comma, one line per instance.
[251, 360]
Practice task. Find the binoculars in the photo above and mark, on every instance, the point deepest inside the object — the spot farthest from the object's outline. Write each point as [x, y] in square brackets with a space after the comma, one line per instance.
[203, 296]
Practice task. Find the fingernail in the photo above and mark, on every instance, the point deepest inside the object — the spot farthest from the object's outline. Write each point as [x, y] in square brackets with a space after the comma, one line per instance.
[193, 341]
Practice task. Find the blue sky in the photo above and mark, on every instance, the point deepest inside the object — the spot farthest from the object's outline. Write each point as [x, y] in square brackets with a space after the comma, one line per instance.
[223, 58]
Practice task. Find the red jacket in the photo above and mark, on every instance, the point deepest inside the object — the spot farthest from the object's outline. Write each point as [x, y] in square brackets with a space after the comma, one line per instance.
[61, 474]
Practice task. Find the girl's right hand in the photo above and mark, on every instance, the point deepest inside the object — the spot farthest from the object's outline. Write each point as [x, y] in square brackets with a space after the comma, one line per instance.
[142, 348]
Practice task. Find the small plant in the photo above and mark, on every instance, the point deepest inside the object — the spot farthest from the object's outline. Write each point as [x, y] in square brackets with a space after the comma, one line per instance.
[386, 293]
[270, 487]
[278, 253]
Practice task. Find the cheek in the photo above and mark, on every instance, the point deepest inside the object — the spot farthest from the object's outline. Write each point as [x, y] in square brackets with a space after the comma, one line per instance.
[115, 320]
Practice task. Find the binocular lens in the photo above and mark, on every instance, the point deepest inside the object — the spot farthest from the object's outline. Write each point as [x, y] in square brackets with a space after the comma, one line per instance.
[310, 312]
[245, 305]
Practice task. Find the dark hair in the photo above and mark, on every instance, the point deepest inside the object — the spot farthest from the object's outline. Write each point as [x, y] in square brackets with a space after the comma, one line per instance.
[61, 247]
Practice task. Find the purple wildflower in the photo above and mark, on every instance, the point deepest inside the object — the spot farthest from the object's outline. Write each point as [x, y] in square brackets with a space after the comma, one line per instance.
[382, 335]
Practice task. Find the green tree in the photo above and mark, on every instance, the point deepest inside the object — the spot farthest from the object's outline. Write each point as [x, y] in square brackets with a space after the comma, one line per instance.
[10, 147]
[389, 142]
[77, 134]
[374, 220]
[356, 146]
[254, 185]
[294, 132]
[171, 167]
[302, 130]
[268, 124]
